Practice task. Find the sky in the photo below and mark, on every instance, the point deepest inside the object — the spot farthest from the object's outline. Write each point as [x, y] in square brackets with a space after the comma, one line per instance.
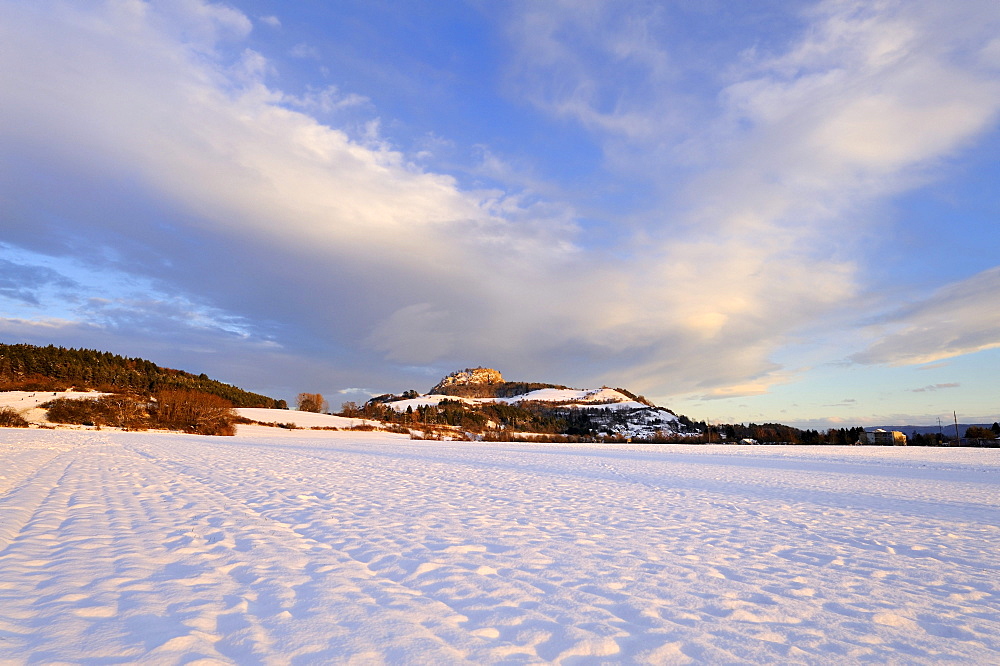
[747, 212]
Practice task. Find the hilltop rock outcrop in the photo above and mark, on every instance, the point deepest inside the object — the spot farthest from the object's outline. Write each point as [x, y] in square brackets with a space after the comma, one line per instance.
[467, 377]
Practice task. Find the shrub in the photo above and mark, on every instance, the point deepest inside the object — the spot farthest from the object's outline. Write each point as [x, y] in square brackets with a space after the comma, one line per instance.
[81, 411]
[10, 418]
[118, 410]
[194, 412]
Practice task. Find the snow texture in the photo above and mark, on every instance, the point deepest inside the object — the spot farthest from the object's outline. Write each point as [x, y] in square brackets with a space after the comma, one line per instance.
[316, 547]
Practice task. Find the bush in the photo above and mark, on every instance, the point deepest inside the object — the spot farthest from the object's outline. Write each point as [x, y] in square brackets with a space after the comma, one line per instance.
[194, 412]
[10, 418]
[124, 411]
[118, 410]
[81, 411]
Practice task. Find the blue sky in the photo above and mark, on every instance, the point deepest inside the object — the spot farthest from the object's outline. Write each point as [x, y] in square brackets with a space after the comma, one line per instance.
[768, 211]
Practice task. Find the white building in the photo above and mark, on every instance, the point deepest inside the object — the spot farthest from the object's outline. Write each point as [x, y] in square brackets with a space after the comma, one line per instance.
[880, 437]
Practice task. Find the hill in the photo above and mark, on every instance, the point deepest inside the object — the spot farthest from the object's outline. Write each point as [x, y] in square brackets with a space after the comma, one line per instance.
[481, 400]
[51, 368]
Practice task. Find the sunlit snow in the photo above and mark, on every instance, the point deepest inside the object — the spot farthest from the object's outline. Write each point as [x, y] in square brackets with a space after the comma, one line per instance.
[296, 546]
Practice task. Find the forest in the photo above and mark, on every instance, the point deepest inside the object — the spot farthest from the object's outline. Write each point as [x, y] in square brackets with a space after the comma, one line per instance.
[32, 368]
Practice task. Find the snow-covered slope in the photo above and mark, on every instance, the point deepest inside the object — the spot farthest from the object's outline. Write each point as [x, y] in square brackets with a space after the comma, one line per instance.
[317, 547]
[625, 416]
[26, 403]
[602, 397]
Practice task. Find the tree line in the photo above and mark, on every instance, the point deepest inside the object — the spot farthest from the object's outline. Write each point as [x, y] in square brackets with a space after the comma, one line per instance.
[33, 368]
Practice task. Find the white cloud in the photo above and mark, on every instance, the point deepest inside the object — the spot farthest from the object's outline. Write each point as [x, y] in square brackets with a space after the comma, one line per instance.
[598, 63]
[324, 101]
[957, 319]
[326, 230]
[305, 51]
[806, 141]
[936, 387]
[201, 25]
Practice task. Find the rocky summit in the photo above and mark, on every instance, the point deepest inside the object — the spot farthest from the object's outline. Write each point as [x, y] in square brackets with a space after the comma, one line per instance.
[469, 376]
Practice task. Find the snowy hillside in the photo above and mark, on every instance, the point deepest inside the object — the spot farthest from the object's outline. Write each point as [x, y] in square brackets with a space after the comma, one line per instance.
[603, 397]
[608, 410]
[27, 403]
[318, 547]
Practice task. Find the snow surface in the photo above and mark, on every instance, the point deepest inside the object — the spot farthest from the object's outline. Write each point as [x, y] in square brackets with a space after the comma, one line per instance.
[315, 547]
[300, 419]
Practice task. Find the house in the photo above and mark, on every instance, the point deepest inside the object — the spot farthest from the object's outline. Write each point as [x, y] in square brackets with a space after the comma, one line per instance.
[880, 437]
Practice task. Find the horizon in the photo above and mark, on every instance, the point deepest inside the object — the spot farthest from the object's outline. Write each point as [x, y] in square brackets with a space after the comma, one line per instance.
[769, 213]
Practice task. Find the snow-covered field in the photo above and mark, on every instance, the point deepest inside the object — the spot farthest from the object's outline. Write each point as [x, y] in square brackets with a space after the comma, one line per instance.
[299, 419]
[310, 547]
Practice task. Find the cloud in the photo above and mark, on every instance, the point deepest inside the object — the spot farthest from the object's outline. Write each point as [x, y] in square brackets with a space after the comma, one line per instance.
[305, 51]
[935, 387]
[24, 283]
[603, 66]
[414, 334]
[184, 166]
[957, 319]
[324, 101]
[808, 138]
[173, 168]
